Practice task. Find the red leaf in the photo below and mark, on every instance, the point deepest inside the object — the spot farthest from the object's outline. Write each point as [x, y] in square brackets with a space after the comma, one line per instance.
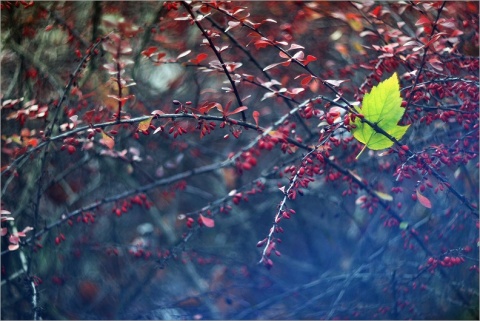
[149, 51]
[200, 57]
[237, 110]
[262, 43]
[423, 200]
[306, 80]
[309, 59]
[256, 115]
[161, 55]
[423, 21]
[376, 12]
[232, 66]
[208, 222]
[205, 108]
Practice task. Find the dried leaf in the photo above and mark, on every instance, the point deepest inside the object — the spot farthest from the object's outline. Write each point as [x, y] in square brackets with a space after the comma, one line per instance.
[107, 140]
[384, 196]
[145, 124]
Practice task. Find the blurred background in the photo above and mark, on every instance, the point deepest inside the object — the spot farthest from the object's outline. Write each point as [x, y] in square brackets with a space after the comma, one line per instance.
[343, 256]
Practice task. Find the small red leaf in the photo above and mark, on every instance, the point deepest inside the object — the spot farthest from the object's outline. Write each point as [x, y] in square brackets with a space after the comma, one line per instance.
[256, 115]
[208, 222]
[424, 200]
[306, 80]
[205, 108]
[423, 21]
[376, 12]
[309, 59]
[237, 110]
[200, 57]
[262, 43]
[149, 51]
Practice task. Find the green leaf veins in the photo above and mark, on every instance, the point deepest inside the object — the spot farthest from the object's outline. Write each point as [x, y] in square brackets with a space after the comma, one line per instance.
[382, 106]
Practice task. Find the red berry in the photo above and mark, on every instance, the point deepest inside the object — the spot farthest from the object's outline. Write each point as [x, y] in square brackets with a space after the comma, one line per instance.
[252, 161]
[246, 166]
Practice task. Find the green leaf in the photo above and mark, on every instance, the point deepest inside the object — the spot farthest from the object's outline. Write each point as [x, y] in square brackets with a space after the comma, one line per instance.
[403, 225]
[382, 106]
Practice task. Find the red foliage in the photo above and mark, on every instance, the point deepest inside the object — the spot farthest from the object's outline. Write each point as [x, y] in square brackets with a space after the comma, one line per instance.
[137, 126]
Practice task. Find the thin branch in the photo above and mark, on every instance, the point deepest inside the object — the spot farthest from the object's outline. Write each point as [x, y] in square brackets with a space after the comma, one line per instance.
[48, 132]
[219, 57]
[257, 64]
[424, 58]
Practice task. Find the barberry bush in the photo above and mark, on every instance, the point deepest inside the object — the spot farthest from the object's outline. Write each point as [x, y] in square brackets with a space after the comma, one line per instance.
[239, 160]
